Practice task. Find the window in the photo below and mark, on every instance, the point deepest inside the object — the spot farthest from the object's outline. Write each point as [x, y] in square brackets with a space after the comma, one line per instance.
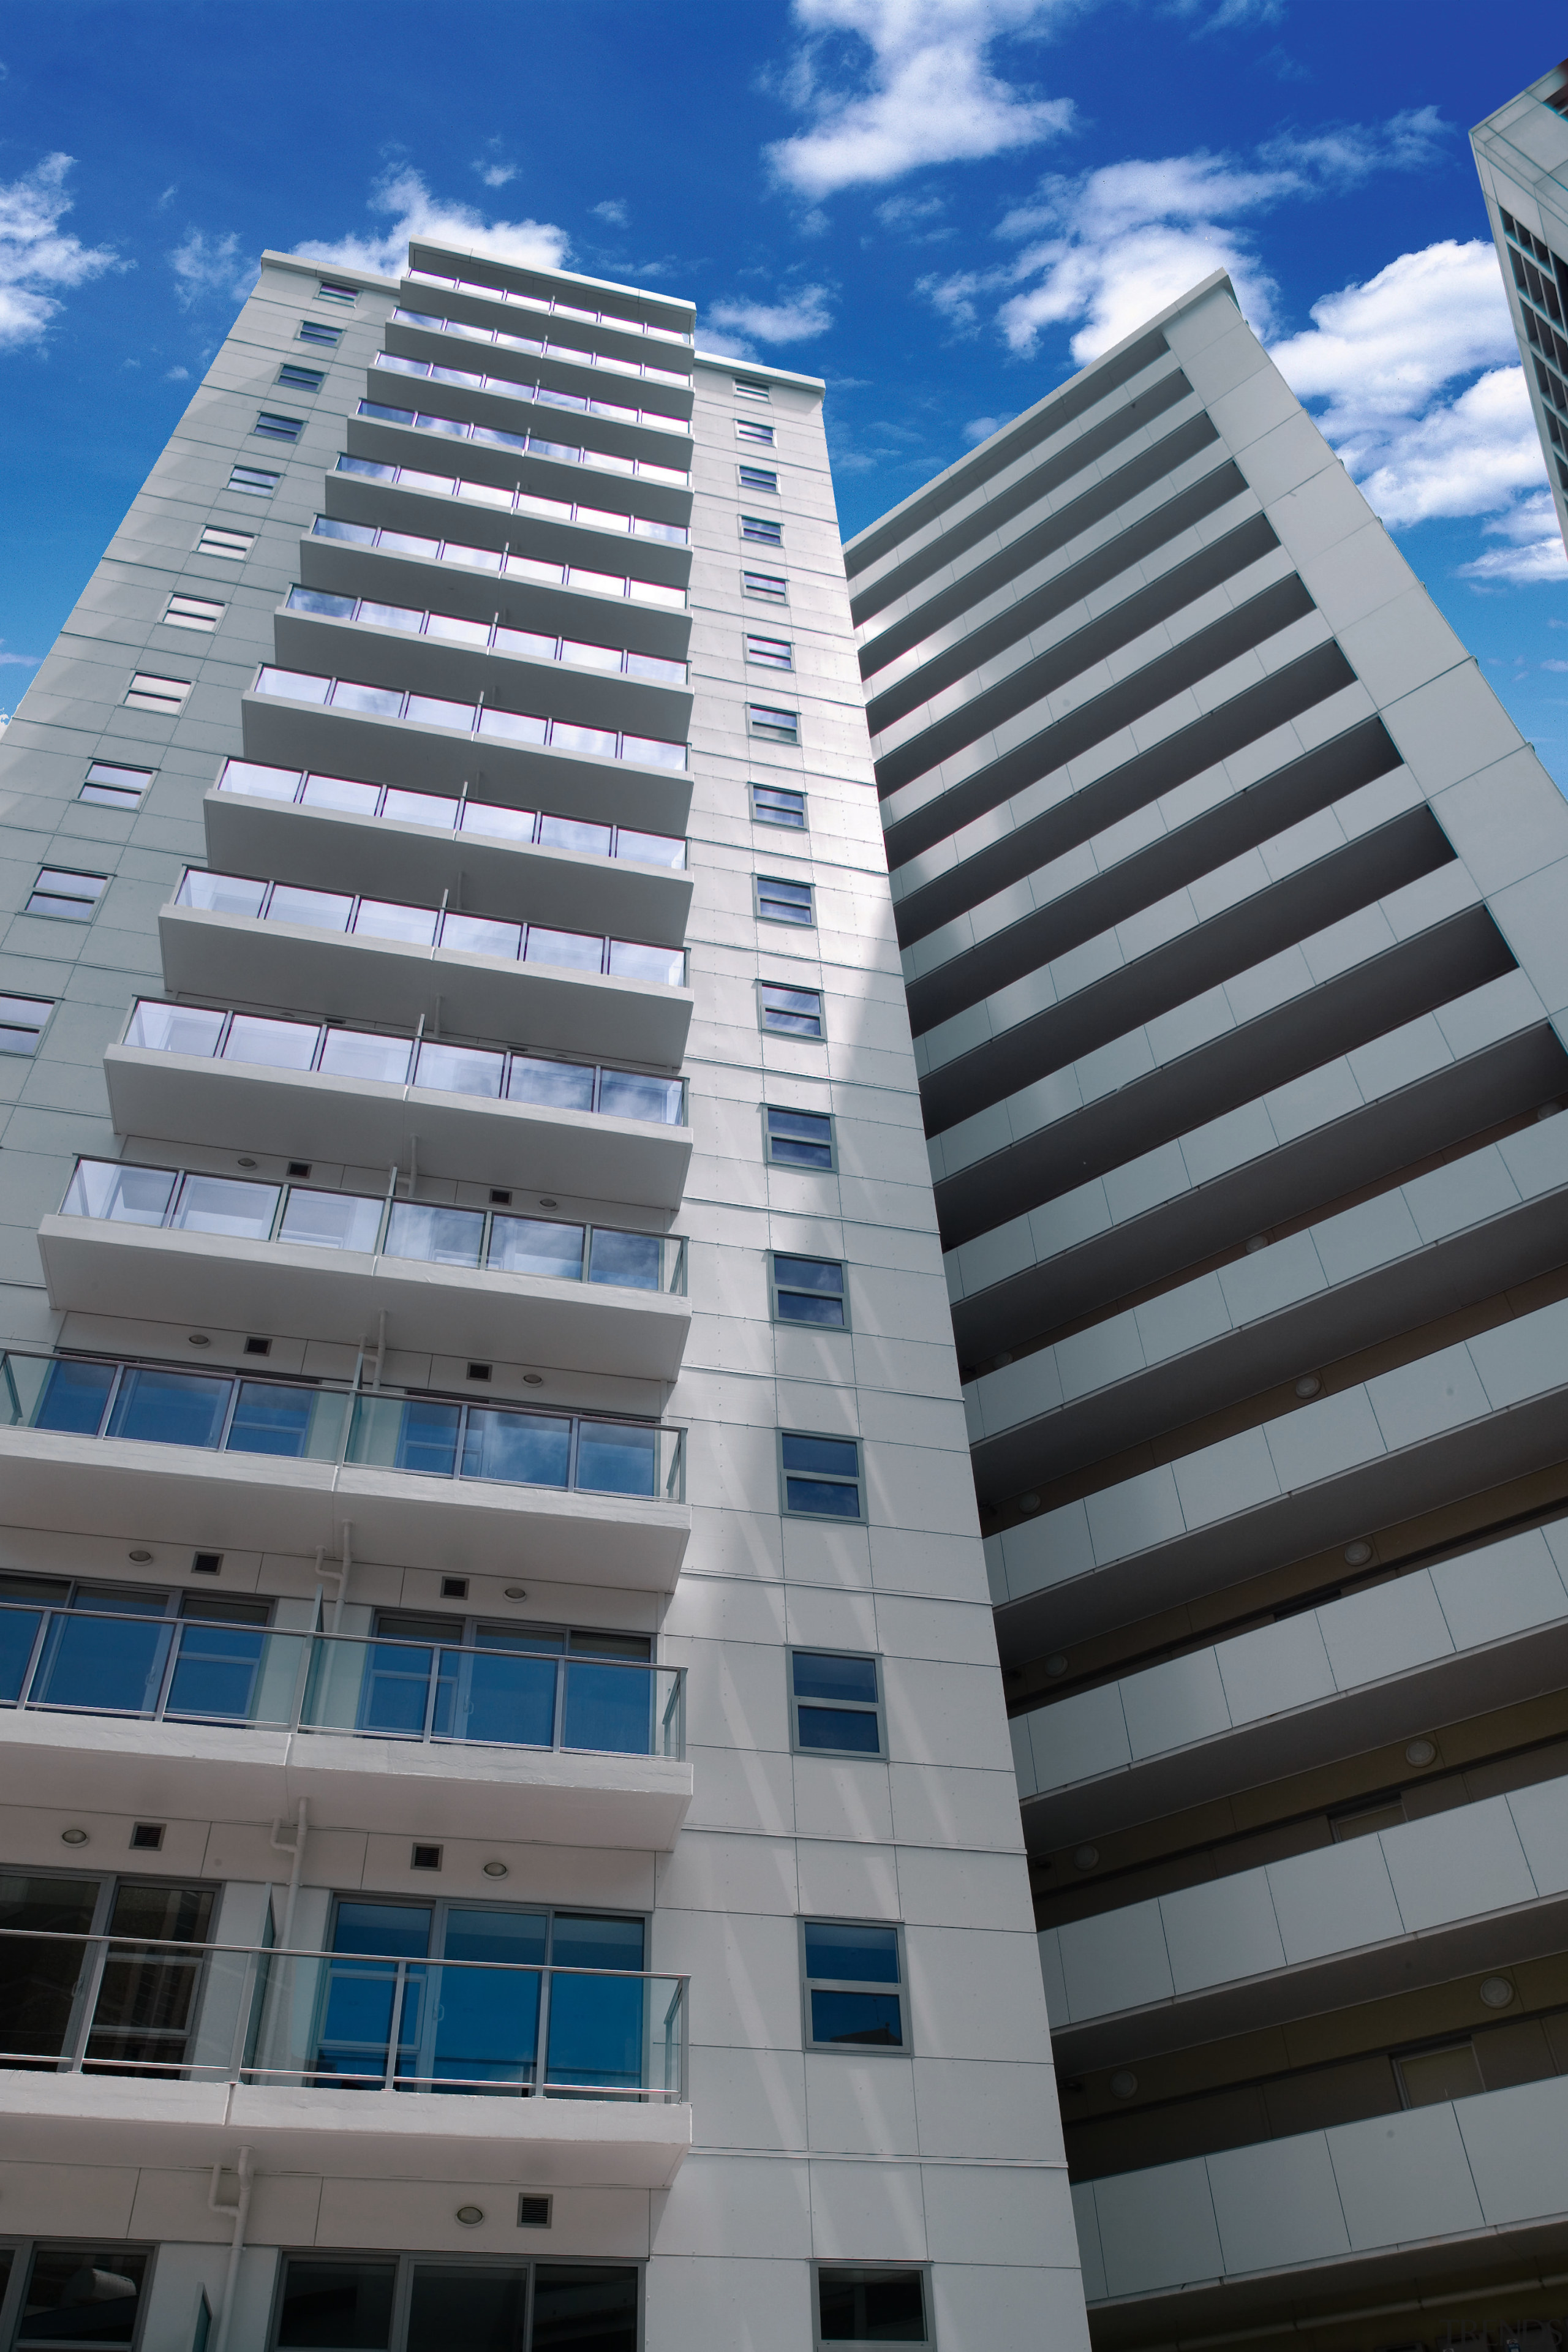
[193, 613]
[770, 586]
[821, 1477]
[166, 694]
[871, 2305]
[388, 2302]
[771, 725]
[757, 477]
[779, 901]
[759, 528]
[790, 1011]
[810, 1290]
[113, 786]
[836, 1704]
[800, 1139]
[752, 387]
[22, 1020]
[316, 330]
[301, 379]
[62, 2277]
[273, 428]
[235, 544]
[751, 428]
[854, 1986]
[1441, 2072]
[771, 653]
[58, 891]
[254, 481]
[328, 290]
[778, 804]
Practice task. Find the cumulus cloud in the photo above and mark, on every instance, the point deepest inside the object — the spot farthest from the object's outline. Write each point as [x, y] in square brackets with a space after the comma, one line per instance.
[204, 266]
[412, 211]
[37, 256]
[1231, 14]
[613, 213]
[1531, 552]
[889, 85]
[732, 328]
[981, 428]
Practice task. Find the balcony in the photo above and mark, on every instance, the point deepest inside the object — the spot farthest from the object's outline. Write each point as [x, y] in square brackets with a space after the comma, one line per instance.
[157, 1245]
[191, 1074]
[549, 467]
[625, 429]
[345, 835]
[424, 1739]
[568, 317]
[547, 515]
[103, 1446]
[376, 959]
[377, 2066]
[431, 332]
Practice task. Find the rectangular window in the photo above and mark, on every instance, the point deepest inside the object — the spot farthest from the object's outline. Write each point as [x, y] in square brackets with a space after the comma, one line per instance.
[790, 1012]
[770, 586]
[752, 429]
[810, 1290]
[821, 1477]
[235, 544]
[328, 290]
[301, 379]
[800, 1139]
[166, 694]
[784, 902]
[836, 1703]
[757, 477]
[776, 804]
[872, 2303]
[22, 1020]
[113, 786]
[316, 330]
[254, 480]
[193, 613]
[58, 891]
[765, 532]
[392, 2303]
[854, 1986]
[50, 2305]
[773, 726]
[273, 428]
[769, 653]
[752, 387]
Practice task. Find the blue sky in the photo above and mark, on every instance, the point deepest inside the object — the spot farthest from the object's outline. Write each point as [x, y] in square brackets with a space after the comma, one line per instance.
[943, 206]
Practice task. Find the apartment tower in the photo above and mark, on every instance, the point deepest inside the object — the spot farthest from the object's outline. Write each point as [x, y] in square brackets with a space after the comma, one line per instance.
[508, 1834]
[1522, 155]
[1232, 913]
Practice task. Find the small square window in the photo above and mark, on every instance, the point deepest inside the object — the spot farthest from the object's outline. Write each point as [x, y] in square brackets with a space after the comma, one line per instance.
[773, 726]
[316, 330]
[235, 544]
[752, 429]
[757, 477]
[166, 694]
[872, 2303]
[800, 1139]
[821, 1477]
[779, 901]
[770, 586]
[810, 1290]
[301, 379]
[790, 1012]
[254, 481]
[113, 786]
[328, 290]
[194, 613]
[836, 1703]
[273, 428]
[769, 653]
[766, 533]
[854, 1986]
[777, 805]
[22, 1020]
[59, 891]
[752, 387]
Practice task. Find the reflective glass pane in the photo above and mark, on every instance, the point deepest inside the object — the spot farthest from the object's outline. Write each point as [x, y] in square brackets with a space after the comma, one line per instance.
[38, 1980]
[169, 1408]
[838, 1456]
[487, 2021]
[481, 2310]
[498, 823]
[873, 2018]
[609, 1707]
[871, 2306]
[803, 1306]
[319, 910]
[630, 1260]
[521, 1449]
[632, 959]
[579, 951]
[458, 630]
[843, 1729]
[816, 1676]
[218, 1204]
[651, 848]
[503, 1699]
[330, 1220]
[175, 1028]
[822, 1500]
[474, 559]
[358, 1054]
[380, 919]
[584, 1940]
[19, 1630]
[73, 1397]
[616, 1457]
[107, 1663]
[216, 1673]
[220, 894]
[420, 808]
[340, 792]
[561, 1085]
[480, 935]
[336, 2306]
[525, 645]
[629, 1094]
[265, 782]
[596, 2030]
[847, 1950]
[395, 1930]
[395, 1697]
[582, 2307]
[276, 1045]
[271, 1417]
[514, 726]
[461, 1069]
[436, 1236]
[581, 739]
[431, 710]
[533, 1245]
[377, 702]
[409, 543]
[125, 1196]
[82, 2295]
[391, 616]
[428, 1438]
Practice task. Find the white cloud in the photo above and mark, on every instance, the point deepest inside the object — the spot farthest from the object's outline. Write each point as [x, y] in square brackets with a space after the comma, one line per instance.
[205, 265]
[37, 256]
[1532, 552]
[730, 329]
[496, 175]
[1231, 14]
[19, 661]
[176, 375]
[613, 213]
[981, 428]
[416, 213]
[928, 93]
[910, 212]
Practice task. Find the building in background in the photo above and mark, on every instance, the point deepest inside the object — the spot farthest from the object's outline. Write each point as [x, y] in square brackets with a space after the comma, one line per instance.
[506, 1830]
[1522, 154]
[1233, 917]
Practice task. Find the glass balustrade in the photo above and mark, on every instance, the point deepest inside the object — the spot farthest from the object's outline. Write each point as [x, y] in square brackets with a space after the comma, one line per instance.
[522, 444]
[536, 346]
[429, 927]
[375, 1224]
[488, 636]
[543, 396]
[515, 501]
[499, 562]
[486, 720]
[327, 1049]
[486, 2017]
[485, 820]
[508, 1688]
[545, 304]
[429, 1436]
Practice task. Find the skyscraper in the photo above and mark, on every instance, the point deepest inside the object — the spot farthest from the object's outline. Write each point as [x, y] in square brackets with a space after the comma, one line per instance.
[1232, 912]
[1522, 154]
[508, 1834]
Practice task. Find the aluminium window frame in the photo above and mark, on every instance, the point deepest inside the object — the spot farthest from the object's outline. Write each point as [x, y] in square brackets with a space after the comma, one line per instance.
[775, 592]
[17, 1029]
[796, 1166]
[761, 530]
[767, 1028]
[761, 481]
[820, 2343]
[252, 489]
[157, 706]
[784, 922]
[812, 2048]
[268, 424]
[404, 2258]
[294, 377]
[26, 2245]
[795, 1322]
[849, 1707]
[224, 554]
[749, 638]
[832, 1477]
[73, 873]
[756, 434]
[129, 800]
[756, 785]
[760, 729]
[207, 620]
[321, 337]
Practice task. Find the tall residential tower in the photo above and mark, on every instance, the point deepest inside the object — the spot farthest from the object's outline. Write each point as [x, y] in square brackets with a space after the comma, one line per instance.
[1522, 154]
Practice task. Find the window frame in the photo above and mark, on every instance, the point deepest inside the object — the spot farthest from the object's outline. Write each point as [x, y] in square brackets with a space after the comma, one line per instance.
[296, 378]
[159, 706]
[224, 554]
[798, 1323]
[69, 873]
[322, 338]
[761, 530]
[775, 592]
[756, 434]
[784, 922]
[16, 1028]
[832, 1477]
[796, 1166]
[332, 289]
[767, 733]
[268, 424]
[252, 490]
[206, 621]
[820, 2343]
[812, 2048]
[752, 638]
[26, 2245]
[752, 387]
[129, 799]
[767, 1027]
[756, 785]
[761, 481]
[849, 1707]
[404, 2259]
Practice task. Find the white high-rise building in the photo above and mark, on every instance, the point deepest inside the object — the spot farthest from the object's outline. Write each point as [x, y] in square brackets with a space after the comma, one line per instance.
[1522, 155]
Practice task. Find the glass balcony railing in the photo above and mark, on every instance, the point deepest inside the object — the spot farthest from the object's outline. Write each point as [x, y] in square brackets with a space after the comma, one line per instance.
[543, 396]
[488, 636]
[429, 927]
[346, 2019]
[511, 501]
[336, 1051]
[483, 719]
[167, 1199]
[483, 820]
[537, 348]
[549, 308]
[523, 444]
[302, 1420]
[508, 1689]
[494, 561]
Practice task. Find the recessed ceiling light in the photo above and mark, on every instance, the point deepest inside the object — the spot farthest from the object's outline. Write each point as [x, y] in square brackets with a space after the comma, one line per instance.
[1309, 1385]
[73, 1837]
[1028, 1502]
[516, 1592]
[199, 1338]
[533, 1380]
[138, 1555]
[1056, 1665]
[1123, 2084]
[1357, 1554]
[470, 2214]
[1086, 1857]
[1496, 1991]
[495, 1870]
[1421, 1752]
